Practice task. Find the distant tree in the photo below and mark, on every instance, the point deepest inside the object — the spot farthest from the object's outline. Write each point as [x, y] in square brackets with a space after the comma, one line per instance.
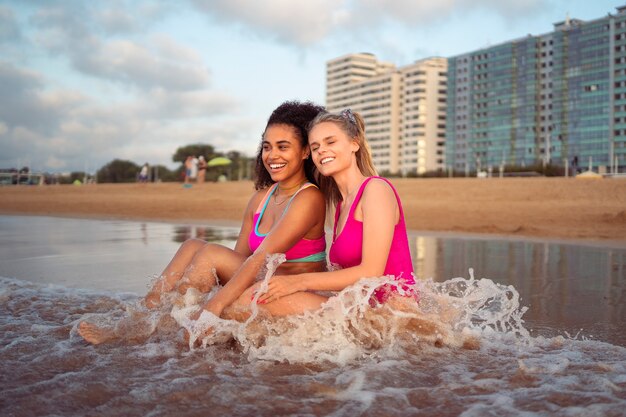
[208, 151]
[181, 154]
[241, 167]
[77, 175]
[73, 176]
[163, 173]
[118, 171]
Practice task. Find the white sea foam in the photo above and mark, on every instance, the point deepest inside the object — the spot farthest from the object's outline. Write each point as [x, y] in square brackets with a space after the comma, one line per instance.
[462, 350]
[458, 312]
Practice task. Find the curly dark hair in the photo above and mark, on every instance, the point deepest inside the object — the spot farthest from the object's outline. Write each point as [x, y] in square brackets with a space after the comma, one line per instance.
[298, 115]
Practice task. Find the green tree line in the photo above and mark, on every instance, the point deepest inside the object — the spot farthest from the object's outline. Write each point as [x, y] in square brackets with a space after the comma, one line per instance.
[119, 171]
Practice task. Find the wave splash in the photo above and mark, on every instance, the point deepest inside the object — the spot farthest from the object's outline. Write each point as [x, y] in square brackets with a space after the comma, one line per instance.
[459, 312]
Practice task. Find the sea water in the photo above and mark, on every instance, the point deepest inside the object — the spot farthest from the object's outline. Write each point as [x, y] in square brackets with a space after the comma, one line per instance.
[465, 349]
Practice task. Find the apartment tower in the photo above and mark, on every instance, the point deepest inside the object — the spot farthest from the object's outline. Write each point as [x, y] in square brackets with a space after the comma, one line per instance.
[404, 109]
[557, 98]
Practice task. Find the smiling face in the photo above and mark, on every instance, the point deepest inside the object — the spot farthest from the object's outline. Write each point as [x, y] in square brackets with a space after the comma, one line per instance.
[331, 148]
[282, 153]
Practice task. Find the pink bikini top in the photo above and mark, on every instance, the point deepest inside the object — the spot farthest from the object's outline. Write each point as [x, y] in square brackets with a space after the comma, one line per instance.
[346, 250]
[305, 250]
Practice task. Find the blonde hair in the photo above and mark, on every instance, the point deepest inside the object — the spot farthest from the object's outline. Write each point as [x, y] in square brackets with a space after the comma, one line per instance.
[352, 124]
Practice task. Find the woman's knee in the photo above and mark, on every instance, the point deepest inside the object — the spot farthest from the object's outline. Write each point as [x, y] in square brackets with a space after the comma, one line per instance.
[191, 246]
[205, 259]
[222, 260]
[206, 249]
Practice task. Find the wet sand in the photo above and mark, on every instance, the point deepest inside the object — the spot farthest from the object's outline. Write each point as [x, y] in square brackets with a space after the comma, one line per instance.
[560, 208]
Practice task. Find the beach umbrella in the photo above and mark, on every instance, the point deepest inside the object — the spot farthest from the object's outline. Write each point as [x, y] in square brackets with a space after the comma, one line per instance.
[219, 161]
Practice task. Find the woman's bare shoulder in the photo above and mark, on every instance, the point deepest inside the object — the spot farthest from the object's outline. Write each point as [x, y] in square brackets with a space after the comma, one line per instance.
[378, 188]
[256, 198]
[311, 195]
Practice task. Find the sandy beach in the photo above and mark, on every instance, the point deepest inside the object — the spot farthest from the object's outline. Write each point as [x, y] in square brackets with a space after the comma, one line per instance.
[561, 208]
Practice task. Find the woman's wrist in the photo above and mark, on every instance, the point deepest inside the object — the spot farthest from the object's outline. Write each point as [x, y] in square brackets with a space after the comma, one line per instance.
[303, 280]
[212, 307]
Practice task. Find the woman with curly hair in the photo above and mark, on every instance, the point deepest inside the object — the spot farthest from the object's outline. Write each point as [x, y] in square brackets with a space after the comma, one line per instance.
[285, 215]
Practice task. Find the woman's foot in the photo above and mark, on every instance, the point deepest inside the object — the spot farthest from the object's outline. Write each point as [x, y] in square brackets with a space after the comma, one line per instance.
[94, 334]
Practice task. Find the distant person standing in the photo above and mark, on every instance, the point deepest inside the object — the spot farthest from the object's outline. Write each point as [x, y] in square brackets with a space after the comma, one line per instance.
[188, 169]
[202, 165]
[143, 174]
[194, 169]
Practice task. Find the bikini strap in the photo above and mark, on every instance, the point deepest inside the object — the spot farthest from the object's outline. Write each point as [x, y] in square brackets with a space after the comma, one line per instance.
[263, 205]
[266, 199]
[261, 209]
[362, 189]
[304, 186]
[358, 195]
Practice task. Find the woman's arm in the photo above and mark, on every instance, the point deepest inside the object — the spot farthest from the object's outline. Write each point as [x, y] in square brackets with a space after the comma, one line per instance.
[242, 245]
[305, 212]
[380, 214]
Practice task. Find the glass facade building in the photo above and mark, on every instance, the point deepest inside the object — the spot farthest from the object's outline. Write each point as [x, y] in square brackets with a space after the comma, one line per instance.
[557, 98]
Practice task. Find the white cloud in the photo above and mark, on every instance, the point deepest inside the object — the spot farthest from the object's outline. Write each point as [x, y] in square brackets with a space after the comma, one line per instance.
[21, 99]
[511, 9]
[301, 22]
[53, 129]
[166, 104]
[307, 22]
[144, 66]
[427, 13]
[117, 20]
[154, 61]
[71, 18]
[55, 163]
[405, 11]
[175, 51]
[9, 30]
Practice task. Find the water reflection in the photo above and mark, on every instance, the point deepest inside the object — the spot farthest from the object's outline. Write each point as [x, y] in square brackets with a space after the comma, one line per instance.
[210, 234]
[567, 286]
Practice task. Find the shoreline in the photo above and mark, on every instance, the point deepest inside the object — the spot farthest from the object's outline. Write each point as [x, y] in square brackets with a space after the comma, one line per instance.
[610, 243]
[559, 209]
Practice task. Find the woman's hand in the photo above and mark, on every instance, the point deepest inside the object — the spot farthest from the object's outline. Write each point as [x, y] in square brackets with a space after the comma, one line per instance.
[280, 286]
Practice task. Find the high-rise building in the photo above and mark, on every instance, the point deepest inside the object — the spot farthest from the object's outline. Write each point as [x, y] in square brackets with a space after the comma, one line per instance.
[557, 98]
[423, 116]
[404, 109]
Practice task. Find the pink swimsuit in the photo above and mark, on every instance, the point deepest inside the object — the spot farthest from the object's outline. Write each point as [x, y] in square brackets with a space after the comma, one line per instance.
[346, 250]
[305, 250]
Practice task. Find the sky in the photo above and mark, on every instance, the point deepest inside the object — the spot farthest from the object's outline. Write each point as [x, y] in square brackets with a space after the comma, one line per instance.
[86, 82]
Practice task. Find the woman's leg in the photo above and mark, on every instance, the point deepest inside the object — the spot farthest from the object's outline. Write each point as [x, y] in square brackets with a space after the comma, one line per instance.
[198, 263]
[174, 271]
[210, 264]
